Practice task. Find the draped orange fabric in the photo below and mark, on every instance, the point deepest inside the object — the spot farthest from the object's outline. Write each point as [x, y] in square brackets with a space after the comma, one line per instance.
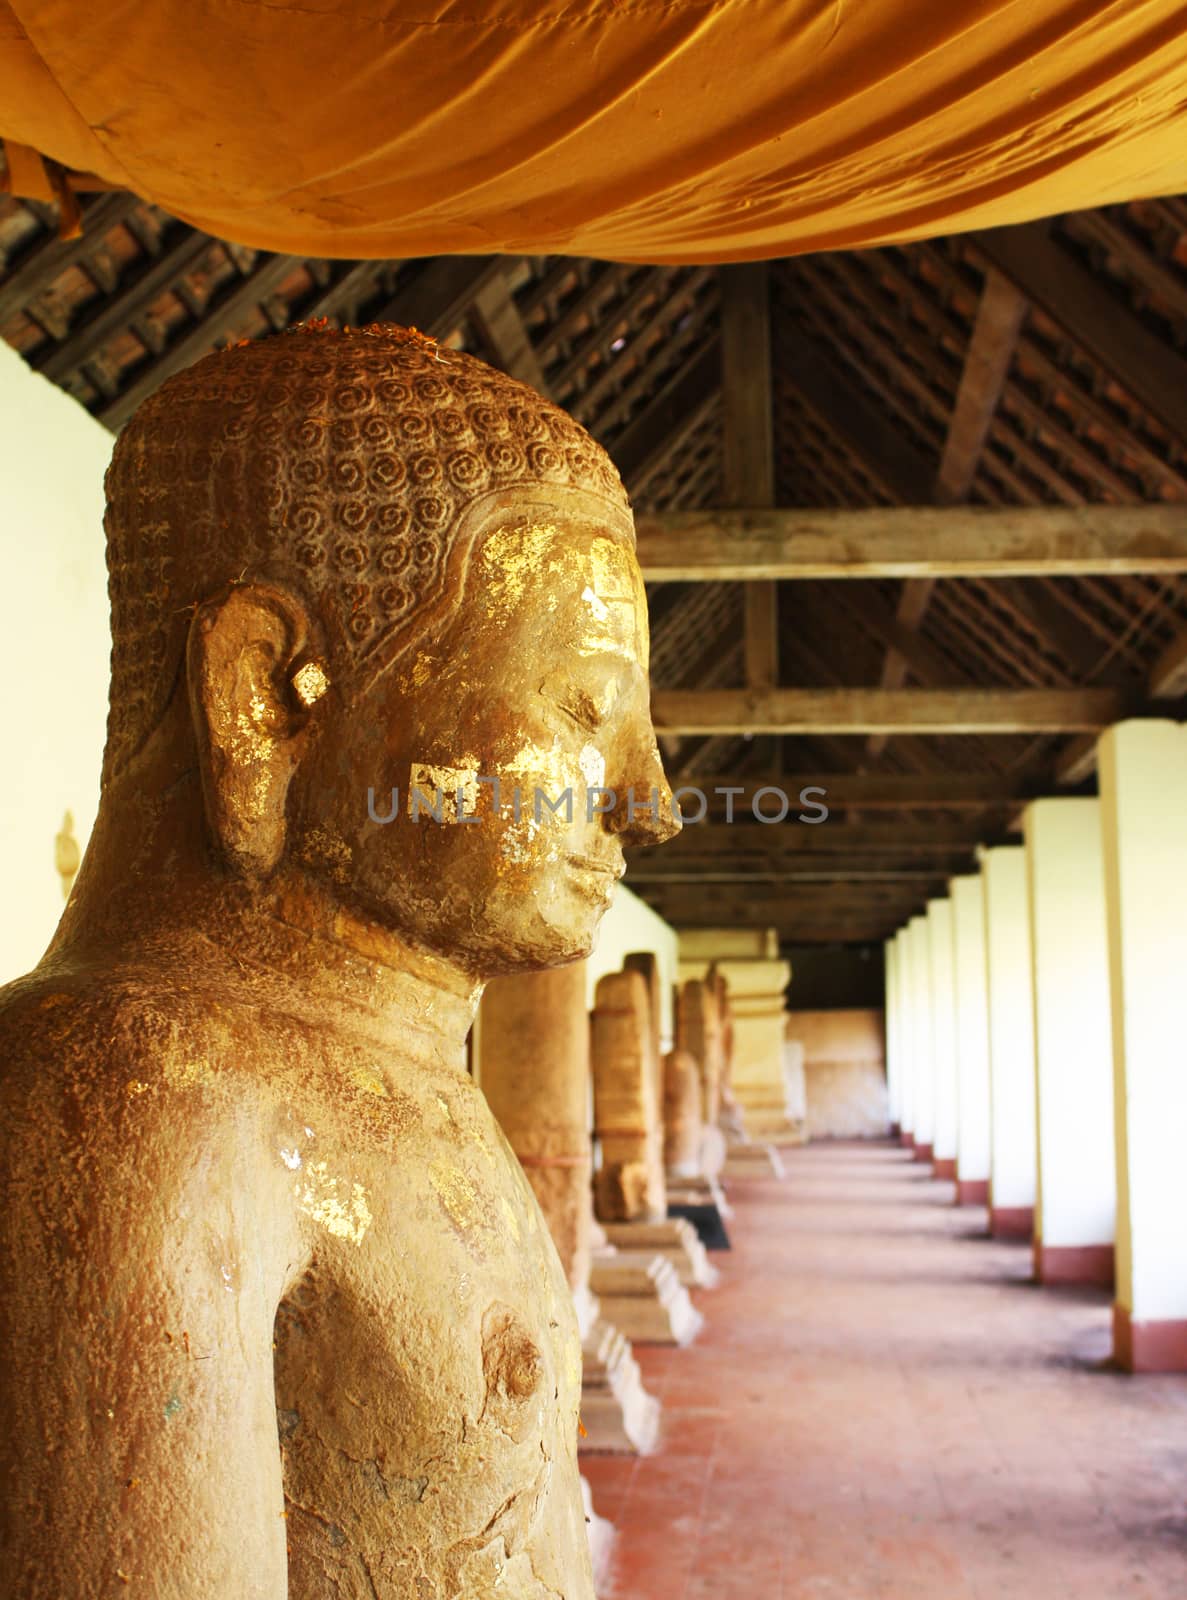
[638, 130]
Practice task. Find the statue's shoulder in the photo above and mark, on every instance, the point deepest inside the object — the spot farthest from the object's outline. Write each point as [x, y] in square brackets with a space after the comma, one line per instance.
[78, 1036]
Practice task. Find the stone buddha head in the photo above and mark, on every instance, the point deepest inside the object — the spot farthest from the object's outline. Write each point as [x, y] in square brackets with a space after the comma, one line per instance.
[389, 597]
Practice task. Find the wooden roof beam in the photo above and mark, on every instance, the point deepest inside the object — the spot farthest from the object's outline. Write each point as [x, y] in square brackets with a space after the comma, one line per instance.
[439, 297]
[871, 791]
[1168, 675]
[748, 446]
[217, 323]
[907, 542]
[861, 427]
[1000, 315]
[680, 406]
[753, 842]
[890, 711]
[44, 261]
[502, 327]
[1095, 318]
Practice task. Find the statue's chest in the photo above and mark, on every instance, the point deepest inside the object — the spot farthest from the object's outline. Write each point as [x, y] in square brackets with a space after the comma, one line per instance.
[427, 1365]
[431, 1286]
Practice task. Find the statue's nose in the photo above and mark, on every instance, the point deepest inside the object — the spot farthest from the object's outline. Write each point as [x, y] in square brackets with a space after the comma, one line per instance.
[644, 813]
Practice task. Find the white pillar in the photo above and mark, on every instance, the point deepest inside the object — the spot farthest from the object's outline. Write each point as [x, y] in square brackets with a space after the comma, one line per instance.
[1012, 1089]
[943, 1013]
[1143, 791]
[921, 1039]
[906, 1037]
[972, 1042]
[893, 1069]
[1075, 1214]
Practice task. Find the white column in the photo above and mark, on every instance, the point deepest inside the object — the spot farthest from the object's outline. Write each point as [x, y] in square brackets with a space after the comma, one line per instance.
[943, 1013]
[906, 1036]
[1143, 793]
[921, 1036]
[1075, 1215]
[972, 1042]
[1012, 1090]
[893, 1069]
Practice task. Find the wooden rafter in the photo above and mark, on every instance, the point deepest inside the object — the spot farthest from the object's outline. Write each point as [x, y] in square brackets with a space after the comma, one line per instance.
[871, 791]
[647, 442]
[907, 542]
[890, 458]
[910, 711]
[500, 324]
[1168, 675]
[37, 268]
[1091, 314]
[748, 441]
[1000, 314]
[749, 839]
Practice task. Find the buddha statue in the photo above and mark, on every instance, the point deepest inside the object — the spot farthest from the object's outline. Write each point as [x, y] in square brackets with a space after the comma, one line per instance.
[280, 1316]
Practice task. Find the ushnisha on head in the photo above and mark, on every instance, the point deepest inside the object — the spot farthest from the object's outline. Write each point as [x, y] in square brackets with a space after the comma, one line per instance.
[361, 558]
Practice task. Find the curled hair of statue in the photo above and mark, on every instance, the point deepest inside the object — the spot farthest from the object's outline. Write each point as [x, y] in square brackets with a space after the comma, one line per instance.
[349, 466]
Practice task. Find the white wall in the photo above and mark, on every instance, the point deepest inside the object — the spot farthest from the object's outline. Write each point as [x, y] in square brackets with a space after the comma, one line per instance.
[1077, 1187]
[630, 925]
[972, 1030]
[943, 1021]
[893, 1033]
[1013, 1158]
[1143, 789]
[922, 1071]
[55, 646]
[906, 1010]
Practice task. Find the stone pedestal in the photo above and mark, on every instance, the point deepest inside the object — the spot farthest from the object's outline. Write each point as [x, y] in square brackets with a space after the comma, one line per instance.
[676, 1240]
[752, 1159]
[601, 1541]
[646, 1300]
[699, 1191]
[617, 1413]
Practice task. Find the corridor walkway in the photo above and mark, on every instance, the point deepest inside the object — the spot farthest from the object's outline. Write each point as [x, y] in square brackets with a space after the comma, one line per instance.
[882, 1407]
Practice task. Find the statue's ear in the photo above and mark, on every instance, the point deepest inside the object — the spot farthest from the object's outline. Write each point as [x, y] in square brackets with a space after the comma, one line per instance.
[248, 723]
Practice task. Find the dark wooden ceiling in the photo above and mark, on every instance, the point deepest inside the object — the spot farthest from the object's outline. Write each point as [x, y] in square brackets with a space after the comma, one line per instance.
[1041, 365]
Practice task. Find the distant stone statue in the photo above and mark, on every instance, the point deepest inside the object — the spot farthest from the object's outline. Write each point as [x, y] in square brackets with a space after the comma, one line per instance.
[683, 1123]
[628, 1113]
[278, 1313]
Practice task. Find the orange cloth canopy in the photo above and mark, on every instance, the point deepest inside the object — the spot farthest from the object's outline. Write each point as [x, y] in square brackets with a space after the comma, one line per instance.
[638, 130]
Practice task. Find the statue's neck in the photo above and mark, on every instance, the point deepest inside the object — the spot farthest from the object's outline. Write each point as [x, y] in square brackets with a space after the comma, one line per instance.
[287, 947]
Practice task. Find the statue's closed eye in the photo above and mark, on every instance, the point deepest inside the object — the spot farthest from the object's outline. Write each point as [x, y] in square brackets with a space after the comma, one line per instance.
[582, 708]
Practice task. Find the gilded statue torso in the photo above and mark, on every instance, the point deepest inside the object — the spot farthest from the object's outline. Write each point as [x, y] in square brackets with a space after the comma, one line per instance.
[427, 1354]
[378, 1240]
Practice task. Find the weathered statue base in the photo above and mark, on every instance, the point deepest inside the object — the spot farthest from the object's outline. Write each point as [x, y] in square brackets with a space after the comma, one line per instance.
[601, 1541]
[776, 1126]
[698, 1191]
[752, 1158]
[617, 1413]
[676, 1240]
[645, 1300]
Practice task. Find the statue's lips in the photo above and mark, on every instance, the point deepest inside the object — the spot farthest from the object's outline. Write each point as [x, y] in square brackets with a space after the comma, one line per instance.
[608, 869]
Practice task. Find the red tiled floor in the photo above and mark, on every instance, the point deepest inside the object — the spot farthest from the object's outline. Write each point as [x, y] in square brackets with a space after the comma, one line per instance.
[883, 1407]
